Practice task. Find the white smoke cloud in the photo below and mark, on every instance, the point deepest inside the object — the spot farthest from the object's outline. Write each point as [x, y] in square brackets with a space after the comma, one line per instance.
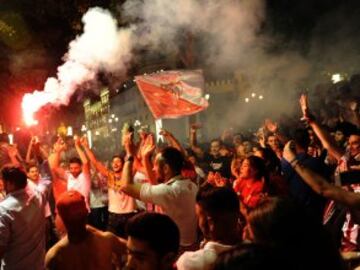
[225, 25]
[102, 46]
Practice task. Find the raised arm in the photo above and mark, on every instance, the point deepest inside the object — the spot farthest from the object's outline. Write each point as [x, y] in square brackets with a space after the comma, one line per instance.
[193, 142]
[274, 128]
[128, 186]
[146, 152]
[29, 150]
[54, 159]
[319, 184]
[324, 137]
[83, 157]
[98, 165]
[170, 138]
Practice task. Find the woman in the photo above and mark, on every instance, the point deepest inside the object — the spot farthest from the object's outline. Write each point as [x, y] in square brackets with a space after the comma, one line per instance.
[250, 185]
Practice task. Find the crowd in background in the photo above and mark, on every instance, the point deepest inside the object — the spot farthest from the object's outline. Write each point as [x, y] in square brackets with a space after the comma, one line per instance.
[284, 197]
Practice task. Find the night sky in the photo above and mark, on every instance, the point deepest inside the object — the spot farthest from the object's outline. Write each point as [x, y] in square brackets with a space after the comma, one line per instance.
[34, 35]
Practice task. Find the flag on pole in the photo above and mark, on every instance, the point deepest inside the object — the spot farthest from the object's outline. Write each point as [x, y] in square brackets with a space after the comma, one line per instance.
[172, 94]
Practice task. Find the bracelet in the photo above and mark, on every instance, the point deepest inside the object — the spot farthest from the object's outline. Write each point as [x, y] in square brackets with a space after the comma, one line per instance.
[295, 163]
[129, 158]
[294, 159]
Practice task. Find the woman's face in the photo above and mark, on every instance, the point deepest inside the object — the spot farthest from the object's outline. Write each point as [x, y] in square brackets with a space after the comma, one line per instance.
[245, 170]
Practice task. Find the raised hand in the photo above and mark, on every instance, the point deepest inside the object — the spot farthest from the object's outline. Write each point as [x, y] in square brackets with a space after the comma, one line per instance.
[288, 152]
[84, 142]
[164, 133]
[304, 105]
[149, 146]
[196, 126]
[77, 140]
[129, 144]
[59, 145]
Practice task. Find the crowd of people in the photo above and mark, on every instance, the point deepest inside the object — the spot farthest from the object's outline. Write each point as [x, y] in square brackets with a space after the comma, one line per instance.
[285, 197]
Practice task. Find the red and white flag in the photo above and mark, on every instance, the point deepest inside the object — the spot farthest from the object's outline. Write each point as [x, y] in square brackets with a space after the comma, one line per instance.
[172, 94]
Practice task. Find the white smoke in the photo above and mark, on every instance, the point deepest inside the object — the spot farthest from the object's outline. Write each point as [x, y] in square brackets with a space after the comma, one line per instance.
[228, 27]
[101, 47]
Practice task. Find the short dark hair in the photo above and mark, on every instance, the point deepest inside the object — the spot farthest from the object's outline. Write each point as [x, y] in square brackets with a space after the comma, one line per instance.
[174, 158]
[302, 138]
[30, 165]
[159, 231]
[258, 164]
[117, 156]
[75, 160]
[14, 175]
[217, 200]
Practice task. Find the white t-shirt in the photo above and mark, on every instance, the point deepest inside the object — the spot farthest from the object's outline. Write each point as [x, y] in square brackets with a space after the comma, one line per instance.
[82, 184]
[176, 198]
[33, 186]
[202, 259]
[119, 202]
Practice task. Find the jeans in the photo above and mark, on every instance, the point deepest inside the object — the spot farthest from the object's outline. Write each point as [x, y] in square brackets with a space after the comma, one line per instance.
[117, 223]
[98, 217]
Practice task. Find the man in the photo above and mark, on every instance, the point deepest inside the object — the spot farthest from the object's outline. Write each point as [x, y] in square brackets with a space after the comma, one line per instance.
[215, 161]
[174, 196]
[299, 190]
[274, 144]
[22, 220]
[217, 209]
[78, 177]
[121, 206]
[84, 247]
[347, 160]
[33, 175]
[153, 242]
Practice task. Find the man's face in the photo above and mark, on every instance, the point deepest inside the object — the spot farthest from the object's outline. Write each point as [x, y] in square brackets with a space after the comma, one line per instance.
[116, 164]
[339, 136]
[140, 256]
[273, 142]
[354, 145]
[159, 168]
[33, 174]
[75, 169]
[215, 148]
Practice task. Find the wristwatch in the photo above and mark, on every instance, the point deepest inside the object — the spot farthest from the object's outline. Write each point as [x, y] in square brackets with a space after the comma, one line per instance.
[129, 158]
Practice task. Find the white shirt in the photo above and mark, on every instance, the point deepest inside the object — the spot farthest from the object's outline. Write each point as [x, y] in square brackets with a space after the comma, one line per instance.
[33, 186]
[119, 202]
[22, 227]
[82, 184]
[176, 198]
[202, 259]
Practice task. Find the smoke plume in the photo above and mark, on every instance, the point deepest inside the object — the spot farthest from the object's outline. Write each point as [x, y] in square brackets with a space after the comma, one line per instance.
[101, 47]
